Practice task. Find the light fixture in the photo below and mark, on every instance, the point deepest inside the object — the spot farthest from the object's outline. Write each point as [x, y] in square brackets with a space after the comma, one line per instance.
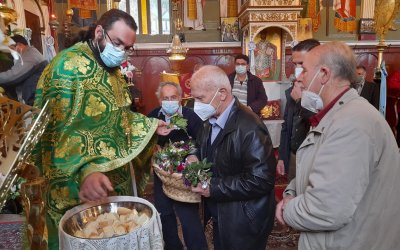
[176, 51]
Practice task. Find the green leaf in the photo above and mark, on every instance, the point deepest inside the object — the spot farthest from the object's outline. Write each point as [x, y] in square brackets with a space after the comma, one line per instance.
[178, 121]
[197, 172]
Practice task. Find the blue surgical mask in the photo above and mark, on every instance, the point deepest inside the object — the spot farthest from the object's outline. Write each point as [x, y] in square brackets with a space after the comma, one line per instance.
[311, 100]
[112, 56]
[241, 69]
[205, 110]
[170, 107]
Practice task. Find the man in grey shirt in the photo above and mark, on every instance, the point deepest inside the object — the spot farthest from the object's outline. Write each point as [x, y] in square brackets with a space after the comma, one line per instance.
[20, 81]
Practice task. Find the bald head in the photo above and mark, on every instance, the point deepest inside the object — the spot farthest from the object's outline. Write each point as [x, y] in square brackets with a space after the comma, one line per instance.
[210, 85]
[328, 70]
[339, 58]
[210, 77]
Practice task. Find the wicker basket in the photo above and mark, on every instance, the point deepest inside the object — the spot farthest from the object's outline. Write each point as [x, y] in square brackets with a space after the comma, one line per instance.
[174, 187]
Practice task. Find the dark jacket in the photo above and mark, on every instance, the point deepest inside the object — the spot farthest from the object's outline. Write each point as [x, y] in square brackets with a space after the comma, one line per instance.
[294, 129]
[287, 127]
[243, 185]
[256, 97]
[370, 91]
[194, 124]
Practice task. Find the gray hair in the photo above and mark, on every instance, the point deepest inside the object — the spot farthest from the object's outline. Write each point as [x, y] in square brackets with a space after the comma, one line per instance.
[339, 57]
[212, 77]
[162, 84]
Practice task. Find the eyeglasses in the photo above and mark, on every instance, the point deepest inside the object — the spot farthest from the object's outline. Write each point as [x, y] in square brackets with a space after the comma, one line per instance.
[120, 45]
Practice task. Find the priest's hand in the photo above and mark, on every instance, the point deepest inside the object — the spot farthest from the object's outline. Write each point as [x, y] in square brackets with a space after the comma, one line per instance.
[162, 129]
[94, 187]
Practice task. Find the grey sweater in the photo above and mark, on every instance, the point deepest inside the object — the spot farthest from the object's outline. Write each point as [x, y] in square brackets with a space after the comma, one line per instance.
[30, 58]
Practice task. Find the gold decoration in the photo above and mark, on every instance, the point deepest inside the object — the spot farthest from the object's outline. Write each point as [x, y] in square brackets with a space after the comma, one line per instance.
[34, 199]
[275, 3]
[176, 51]
[232, 8]
[8, 15]
[274, 16]
[192, 9]
[385, 13]
[18, 136]
[244, 20]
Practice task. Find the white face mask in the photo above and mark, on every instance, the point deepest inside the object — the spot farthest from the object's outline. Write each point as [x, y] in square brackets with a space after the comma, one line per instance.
[205, 110]
[297, 71]
[311, 100]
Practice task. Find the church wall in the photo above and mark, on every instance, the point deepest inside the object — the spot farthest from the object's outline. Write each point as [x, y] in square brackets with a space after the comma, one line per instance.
[151, 62]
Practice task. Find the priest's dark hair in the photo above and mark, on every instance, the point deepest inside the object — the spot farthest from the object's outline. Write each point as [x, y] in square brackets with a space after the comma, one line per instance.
[106, 21]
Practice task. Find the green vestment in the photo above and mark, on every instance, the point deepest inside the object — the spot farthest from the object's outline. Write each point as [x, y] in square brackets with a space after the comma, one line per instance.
[91, 130]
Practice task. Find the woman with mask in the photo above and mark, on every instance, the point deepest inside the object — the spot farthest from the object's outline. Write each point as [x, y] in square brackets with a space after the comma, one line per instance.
[85, 151]
[169, 95]
[248, 88]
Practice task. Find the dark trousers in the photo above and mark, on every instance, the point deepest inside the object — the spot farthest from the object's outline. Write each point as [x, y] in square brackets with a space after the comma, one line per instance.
[188, 214]
[292, 167]
[211, 211]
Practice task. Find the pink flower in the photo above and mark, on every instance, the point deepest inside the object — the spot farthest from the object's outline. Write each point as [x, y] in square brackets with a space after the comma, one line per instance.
[129, 74]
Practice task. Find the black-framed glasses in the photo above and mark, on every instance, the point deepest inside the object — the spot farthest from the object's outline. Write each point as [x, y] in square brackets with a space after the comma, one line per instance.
[127, 49]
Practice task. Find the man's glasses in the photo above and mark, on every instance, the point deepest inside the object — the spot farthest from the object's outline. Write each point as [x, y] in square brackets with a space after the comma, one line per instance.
[127, 49]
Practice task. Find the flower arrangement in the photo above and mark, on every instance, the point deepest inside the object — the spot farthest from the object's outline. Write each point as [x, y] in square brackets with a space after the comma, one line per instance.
[197, 172]
[177, 176]
[172, 157]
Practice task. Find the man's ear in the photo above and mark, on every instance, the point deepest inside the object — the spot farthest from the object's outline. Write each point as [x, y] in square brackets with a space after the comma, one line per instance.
[326, 75]
[99, 33]
[223, 94]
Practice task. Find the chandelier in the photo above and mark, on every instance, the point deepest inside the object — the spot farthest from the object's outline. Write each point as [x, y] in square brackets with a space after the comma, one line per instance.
[176, 51]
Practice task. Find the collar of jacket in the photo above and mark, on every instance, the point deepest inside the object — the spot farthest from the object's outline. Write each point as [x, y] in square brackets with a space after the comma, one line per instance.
[231, 123]
[350, 95]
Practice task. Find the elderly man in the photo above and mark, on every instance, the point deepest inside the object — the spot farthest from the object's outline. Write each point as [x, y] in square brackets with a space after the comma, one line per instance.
[348, 167]
[169, 95]
[240, 196]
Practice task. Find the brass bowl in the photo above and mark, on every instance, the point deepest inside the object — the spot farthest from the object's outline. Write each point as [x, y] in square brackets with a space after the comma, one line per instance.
[80, 219]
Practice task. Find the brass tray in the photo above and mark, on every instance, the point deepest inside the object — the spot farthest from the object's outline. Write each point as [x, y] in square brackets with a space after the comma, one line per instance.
[20, 129]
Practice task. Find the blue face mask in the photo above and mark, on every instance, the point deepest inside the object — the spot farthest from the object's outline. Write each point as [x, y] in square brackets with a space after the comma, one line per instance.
[112, 56]
[241, 69]
[170, 107]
